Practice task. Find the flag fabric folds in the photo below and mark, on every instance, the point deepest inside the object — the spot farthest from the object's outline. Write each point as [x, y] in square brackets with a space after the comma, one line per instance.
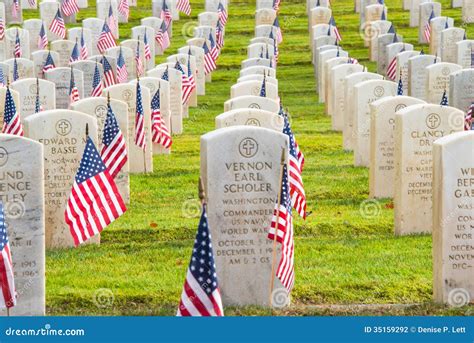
[160, 132]
[11, 121]
[7, 279]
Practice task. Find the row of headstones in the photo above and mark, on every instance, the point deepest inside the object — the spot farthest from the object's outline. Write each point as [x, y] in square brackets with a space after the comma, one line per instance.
[394, 136]
[35, 201]
[240, 167]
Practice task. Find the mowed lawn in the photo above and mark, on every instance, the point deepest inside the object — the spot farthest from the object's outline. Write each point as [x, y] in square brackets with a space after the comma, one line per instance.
[346, 252]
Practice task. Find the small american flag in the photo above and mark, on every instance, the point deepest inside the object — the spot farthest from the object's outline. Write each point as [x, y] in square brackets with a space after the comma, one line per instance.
[427, 31]
[114, 150]
[191, 79]
[165, 75]
[184, 6]
[57, 25]
[186, 84]
[276, 51]
[383, 16]
[84, 50]
[391, 29]
[112, 22]
[162, 37]
[392, 67]
[95, 201]
[16, 76]
[75, 53]
[18, 52]
[209, 62]
[400, 85]
[124, 8]
[49, 63]
[215, 51]
[69, 7]
[165, 14]
[32, 3]
[161, 134]
[73, 91]
[263, 89]
[38, 107]
[282, 227]
[201, 295]
[106, 39]
[219, 35]
[469, 119]
[446, 24]
[140, 139]
[15, 8]
[332, 23]
[147, 47]
[96, 83]
[444, 99]
[276, 5]
[2, 28]
[11, 121]
[42, 38]
[122, 73]
[2, 78]
[7, 279]
[109, 78]
[138, 60]
[222, 13]
[279, 35]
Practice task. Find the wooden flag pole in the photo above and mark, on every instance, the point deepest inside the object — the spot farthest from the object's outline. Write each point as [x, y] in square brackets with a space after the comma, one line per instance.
[272, 276]
[201, 192]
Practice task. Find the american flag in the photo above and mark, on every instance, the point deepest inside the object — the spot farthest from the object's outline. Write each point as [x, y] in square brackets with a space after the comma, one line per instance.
[2, 28]
[32, 3]
[201, 295]
[263, 89]
[400, 85]
[106, 39]
[191, 82]
[279, 35]
[215, 51]
[282, 226]
[57, 25]
[261, 53]
[427, 31]
[186, 84]
[42, 38]
[162, 37]
[84, 50]
[165, 14]
[161, 134]
[165, 75]
[391, 29]
[111, 21]
[7, 279]
[276, 5]
[140, 137]
[222, 13]
[147, 47]
[75, 53]
[124, 8]
[18, 52]
[332, 23]
[49, 63]
[2, 78]
[16, 76]
[392, 67]
[109, 78]
[15, 8]
[122, 73]
[469, 119]
[114, 150]
[11, 121]
[444, 99]
[276, 52]
[38, 107]
[219, 35]
[96, 83]
[383, 16]
[184, 6]
[69, 7]
[138, 60]
[446, 24]
[95, 201]
[73, 91]
[209, 62]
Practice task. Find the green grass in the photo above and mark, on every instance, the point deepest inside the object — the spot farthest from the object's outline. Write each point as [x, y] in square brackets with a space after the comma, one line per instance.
[341, 256]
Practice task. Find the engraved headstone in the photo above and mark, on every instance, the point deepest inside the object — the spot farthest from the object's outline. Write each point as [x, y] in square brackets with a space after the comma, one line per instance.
[468, 11]
[461, 89]
[251, 117]
[465, 49]
[25, 67]
[438, 80]
[61, 77]
[424, 16]
[449, 38]
[27, 90]
[418, 75]
[33, 26]
[88, 71]
[252, 101]
[438, 24]
[39, 58]
[64, 48]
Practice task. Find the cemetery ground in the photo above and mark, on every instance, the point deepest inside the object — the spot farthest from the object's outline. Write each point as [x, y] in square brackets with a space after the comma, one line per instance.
[346, 252]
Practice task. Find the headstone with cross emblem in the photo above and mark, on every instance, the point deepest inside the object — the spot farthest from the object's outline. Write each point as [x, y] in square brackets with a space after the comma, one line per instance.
[251, 117]
[140, 160]
[438, 80]
[21, 167]
[61, 77]
[252, 101]
[240, 169]
[63, 136]
[448, 46]
[97, 108]
[27, 90]
[461, 90]
[319, 15]
[365, 93]
[453, 222]
[382, 143]
[416, 128]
